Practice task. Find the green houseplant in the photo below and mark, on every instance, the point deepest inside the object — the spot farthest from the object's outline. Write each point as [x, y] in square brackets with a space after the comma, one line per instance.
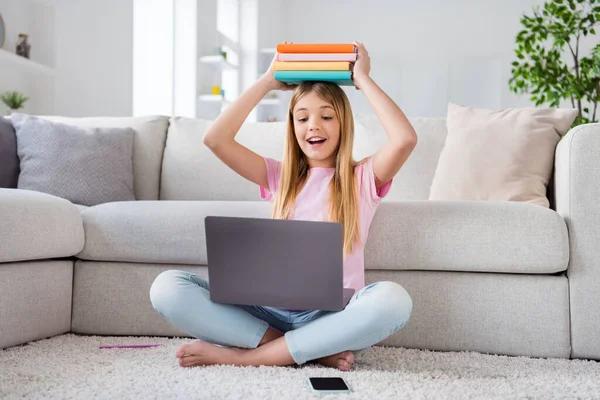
[13, 100]
[550, 66]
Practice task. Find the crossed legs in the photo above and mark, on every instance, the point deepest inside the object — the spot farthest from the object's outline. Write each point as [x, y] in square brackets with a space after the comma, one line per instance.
[183, 299]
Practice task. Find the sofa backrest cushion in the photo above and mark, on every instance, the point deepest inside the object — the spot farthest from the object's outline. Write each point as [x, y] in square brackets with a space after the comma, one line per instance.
[191, 171]
[414, 179]
[9, 161]
[148, 145]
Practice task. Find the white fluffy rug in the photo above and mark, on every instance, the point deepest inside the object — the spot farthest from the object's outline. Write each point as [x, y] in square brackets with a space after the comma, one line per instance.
[73, 367]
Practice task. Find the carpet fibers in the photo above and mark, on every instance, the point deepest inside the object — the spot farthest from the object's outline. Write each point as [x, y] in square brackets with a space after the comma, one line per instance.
[73, 367]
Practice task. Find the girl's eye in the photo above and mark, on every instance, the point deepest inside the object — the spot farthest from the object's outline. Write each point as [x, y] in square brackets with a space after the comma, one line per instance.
[327, 118]
[302, 119]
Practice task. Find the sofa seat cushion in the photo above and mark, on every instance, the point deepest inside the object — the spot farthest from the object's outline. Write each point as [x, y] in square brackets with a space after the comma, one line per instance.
[35, 226]
[81, 208]
[156, 231]
[476, 236]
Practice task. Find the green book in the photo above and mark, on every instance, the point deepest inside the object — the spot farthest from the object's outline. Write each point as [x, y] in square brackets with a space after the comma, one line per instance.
[341, 78]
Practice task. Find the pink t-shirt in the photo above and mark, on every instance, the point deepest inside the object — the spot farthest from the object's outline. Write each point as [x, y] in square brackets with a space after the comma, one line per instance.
[311, 205]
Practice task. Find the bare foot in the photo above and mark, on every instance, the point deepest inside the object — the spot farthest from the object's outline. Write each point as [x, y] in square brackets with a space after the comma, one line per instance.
[341, 361]
[204, 353]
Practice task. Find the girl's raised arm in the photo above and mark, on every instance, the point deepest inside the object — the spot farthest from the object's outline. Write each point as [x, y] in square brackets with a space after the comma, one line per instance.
[220, 137]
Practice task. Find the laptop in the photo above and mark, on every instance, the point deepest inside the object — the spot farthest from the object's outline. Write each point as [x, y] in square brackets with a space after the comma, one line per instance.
[290, 264]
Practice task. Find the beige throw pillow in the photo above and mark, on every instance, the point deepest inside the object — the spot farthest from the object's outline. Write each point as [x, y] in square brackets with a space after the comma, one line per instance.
[499, 154]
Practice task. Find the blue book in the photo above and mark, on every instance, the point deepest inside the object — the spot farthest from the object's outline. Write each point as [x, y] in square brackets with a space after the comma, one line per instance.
[341, 78]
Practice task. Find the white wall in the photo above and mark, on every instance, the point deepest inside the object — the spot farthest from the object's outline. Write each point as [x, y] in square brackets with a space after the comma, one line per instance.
[34, 18]
[423, 54]
[153, 57]
[271, 22]
[94, 42]
[185, 58]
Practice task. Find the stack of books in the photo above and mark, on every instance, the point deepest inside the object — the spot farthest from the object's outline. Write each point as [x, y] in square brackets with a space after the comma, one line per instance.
[297, 63]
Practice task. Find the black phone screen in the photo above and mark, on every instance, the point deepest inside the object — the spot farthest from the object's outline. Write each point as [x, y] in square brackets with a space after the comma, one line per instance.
[328, 384]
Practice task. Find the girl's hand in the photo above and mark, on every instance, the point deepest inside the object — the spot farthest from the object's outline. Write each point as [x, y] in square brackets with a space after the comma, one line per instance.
[270, 77]
[362, 65]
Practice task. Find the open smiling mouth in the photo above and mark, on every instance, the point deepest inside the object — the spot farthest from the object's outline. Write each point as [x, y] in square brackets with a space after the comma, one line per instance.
[316, 141]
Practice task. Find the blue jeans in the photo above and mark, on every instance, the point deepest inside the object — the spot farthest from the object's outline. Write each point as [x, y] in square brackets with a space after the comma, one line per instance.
[374, 313]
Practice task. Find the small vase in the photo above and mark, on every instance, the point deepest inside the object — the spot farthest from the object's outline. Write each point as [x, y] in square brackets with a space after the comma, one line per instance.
[9, 111]
[23, 46]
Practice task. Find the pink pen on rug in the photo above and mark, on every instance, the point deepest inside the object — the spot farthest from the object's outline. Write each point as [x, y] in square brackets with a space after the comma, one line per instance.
[133, 346]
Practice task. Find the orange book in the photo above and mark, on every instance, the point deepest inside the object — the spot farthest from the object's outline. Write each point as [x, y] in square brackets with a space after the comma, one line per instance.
[311, 65]
[316, 48]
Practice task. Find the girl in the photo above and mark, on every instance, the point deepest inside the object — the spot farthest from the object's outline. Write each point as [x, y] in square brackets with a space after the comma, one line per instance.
[316, 180]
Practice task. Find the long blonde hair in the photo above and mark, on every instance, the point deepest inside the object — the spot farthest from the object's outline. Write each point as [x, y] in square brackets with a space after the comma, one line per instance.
[343, 204]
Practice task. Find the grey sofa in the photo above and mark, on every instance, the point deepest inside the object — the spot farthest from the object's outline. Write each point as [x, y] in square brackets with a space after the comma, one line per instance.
[493, 277]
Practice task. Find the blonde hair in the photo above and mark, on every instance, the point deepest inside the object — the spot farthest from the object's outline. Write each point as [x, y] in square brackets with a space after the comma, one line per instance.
[343, 197]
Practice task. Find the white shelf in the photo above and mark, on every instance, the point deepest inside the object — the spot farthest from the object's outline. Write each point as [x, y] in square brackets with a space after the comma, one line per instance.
[271, 102]
[217, 61]
[25, 62]
[212, 98]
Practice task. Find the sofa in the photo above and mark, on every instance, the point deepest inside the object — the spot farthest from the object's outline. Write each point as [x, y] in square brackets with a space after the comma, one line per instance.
[496, 277]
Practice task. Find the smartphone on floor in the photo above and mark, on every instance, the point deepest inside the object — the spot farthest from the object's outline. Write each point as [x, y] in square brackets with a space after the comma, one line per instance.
[325, 385]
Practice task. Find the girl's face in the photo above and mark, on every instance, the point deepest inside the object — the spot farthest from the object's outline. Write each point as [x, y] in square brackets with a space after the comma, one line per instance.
[317, 130]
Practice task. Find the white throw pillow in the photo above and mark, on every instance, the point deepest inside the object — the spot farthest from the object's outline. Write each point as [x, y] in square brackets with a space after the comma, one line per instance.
[499, 154]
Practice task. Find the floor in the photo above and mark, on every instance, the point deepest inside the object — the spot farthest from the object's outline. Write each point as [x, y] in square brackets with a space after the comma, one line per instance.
[74, 367]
